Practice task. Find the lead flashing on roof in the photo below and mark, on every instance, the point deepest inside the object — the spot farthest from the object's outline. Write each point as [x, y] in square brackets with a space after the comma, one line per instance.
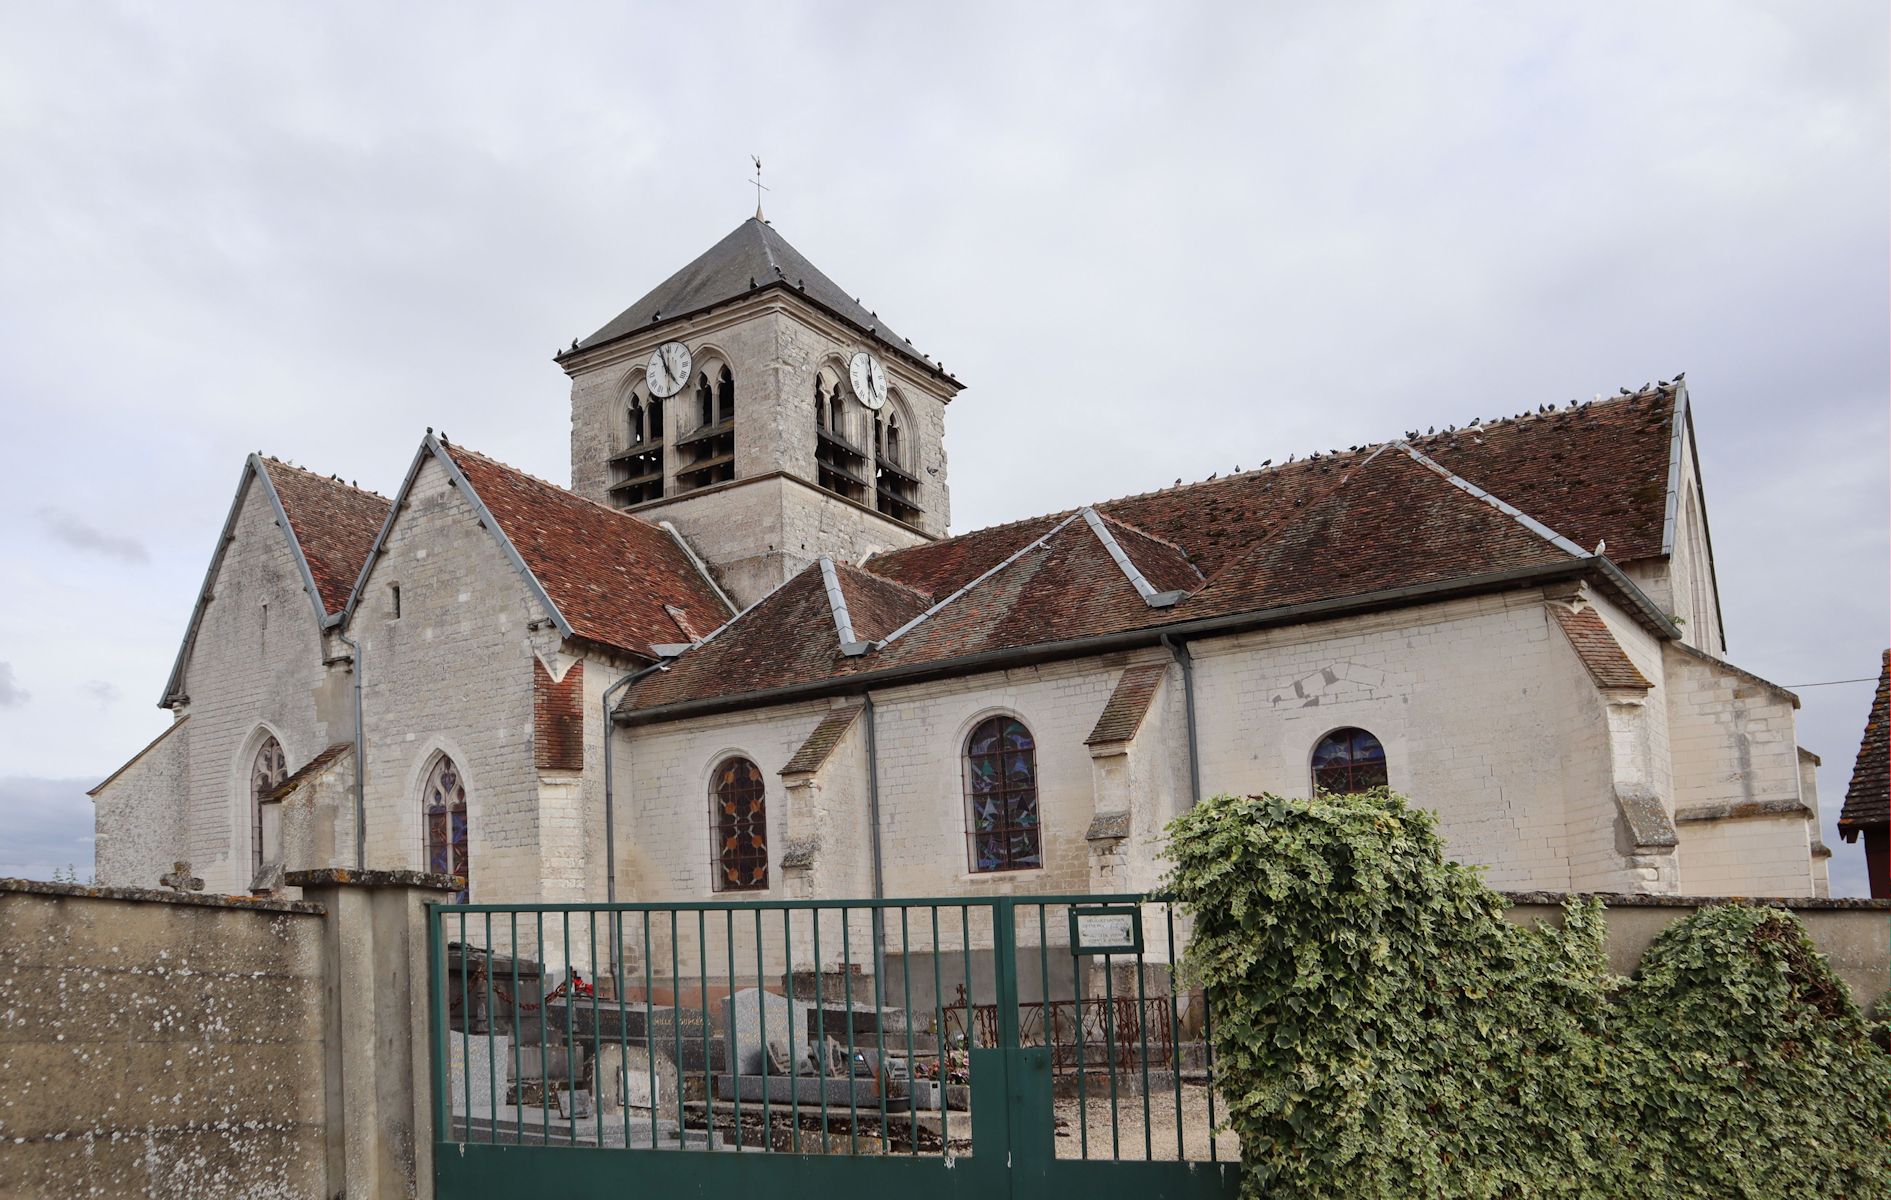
[702, 568]
[1510, 510]
[252, 467]
[1144, 588]
[1015, 555]
[851, 646]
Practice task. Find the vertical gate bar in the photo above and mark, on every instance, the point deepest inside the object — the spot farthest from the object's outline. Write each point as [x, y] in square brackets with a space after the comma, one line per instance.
[941, 1051]
[492, 1063]
[1175, 1033]
[1083, 1097]
[544, 1065]
[597, 1034]
[702, 1003]
[820, 1011]
[437, 1036]
[676, 1025]
[571, 999]
[794, 1065]
[906, 982]
[1004, 961]
[847, 1005]
[1142, 1031]
[732, 1056]
[466, 1037]
[623, 1025]
[650, 1034]
[965, 952]
[879, 1029]
[1207, 1051]
[1109, 1050]
[518, 1051]
[761, 989]
[1044, 986]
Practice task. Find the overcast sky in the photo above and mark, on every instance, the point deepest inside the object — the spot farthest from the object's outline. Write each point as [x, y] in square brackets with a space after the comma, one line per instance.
[1155, 241]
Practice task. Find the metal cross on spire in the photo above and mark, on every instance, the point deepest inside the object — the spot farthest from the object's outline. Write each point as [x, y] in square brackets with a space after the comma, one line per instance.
[760, 187]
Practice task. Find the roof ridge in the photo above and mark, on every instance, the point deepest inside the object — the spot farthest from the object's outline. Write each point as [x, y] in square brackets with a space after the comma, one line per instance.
[453, 447]
[336, 480]
[1478, 425]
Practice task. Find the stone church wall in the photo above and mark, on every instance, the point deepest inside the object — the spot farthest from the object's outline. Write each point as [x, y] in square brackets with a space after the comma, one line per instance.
[139, 819]
[453, 673]
[255, 669]
[1463, 695]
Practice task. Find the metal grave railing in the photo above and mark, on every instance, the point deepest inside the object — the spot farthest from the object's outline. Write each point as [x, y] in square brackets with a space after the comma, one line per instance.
[1010, 1042]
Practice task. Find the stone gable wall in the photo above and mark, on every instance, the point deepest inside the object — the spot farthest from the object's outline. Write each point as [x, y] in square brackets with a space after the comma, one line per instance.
[257, 664]
[139, 817]
[453, 673]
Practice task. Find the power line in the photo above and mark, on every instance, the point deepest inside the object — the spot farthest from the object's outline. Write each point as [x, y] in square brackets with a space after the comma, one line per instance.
[1833, 682]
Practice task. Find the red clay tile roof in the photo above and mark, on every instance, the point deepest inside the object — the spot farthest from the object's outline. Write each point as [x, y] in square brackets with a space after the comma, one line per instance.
[1868, 799]
[334, 524]
[1128, 703]
[609, 573]
[1371, 524]
[1608, 664]
[877, 606]
[820, 743]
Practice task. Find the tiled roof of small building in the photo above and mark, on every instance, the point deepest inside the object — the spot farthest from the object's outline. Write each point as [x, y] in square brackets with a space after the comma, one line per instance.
[821, 742]
[335, 525]
[1608, 664]
[609, 573]
[1868, 799]
[309, 770]
[1129, 702]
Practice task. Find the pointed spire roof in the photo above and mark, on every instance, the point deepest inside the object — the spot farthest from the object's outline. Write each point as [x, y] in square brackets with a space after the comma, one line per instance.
[752, 257]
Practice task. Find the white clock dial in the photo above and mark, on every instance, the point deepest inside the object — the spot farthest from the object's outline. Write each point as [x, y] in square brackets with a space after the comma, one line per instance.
[868, 378]
[668, 370]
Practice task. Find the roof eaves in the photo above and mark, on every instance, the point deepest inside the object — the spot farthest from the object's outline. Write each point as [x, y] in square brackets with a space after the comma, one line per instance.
[1677, 437]
[1144, 588]
[1014, 556]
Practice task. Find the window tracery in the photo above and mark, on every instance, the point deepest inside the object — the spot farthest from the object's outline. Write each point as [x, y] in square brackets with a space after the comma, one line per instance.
[443, 806]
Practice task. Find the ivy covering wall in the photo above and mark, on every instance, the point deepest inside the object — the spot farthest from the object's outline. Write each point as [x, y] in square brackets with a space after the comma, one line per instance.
[1381, 1031]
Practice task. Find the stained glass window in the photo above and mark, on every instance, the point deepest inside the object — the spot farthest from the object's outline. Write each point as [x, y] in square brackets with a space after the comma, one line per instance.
[1001, 797]
[444, 802]
[267, 770]
[1348, 760]
[741, 814]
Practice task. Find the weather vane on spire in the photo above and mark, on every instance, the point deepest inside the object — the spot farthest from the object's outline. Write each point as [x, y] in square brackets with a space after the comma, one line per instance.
[760, 187]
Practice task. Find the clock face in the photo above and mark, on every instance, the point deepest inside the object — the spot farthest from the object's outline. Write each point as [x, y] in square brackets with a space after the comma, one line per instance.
[668, 370]
[868, 378]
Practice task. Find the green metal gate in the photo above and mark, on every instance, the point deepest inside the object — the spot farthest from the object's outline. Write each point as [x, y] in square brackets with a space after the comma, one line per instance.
[1013, 1046]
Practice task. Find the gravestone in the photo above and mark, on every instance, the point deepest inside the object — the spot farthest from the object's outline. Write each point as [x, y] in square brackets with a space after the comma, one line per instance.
[622, 1076]
[751, 1020]
[474, 1066]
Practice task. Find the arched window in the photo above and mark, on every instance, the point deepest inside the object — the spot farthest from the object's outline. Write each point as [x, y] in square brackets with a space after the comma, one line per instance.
[1001, 797]
[893, 440]
[820, 403]
[653, 420]
[705, 400]
[443, 801]
[1348, 760]
[741, 817]
[267, 770]
[725, 395]
[634, 420]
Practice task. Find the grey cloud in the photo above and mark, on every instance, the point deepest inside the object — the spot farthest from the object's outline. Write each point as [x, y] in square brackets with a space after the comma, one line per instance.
[104, 693]
[48, 825]
[12, 695]
[75, 532]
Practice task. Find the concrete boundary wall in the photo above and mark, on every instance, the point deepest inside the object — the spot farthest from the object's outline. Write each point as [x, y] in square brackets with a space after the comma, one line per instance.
[1854, 934]
[177, 1045]
[159, 1044]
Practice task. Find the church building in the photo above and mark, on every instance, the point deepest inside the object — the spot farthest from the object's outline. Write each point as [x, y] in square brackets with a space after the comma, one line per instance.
[742, 652]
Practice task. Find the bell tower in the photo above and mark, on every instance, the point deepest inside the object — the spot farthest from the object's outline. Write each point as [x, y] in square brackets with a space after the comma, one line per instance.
[765, 413]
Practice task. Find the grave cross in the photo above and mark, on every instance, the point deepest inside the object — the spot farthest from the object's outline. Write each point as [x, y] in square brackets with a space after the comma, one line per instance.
[180, 879]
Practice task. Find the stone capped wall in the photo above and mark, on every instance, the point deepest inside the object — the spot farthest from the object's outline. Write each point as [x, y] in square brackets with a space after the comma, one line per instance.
[160, 1046]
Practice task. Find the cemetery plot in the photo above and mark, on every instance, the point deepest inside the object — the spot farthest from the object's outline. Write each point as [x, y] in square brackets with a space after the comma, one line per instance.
[810, 1030]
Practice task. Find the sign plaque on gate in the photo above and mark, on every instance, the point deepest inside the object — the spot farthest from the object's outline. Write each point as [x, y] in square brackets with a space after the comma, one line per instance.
[1105, 931]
